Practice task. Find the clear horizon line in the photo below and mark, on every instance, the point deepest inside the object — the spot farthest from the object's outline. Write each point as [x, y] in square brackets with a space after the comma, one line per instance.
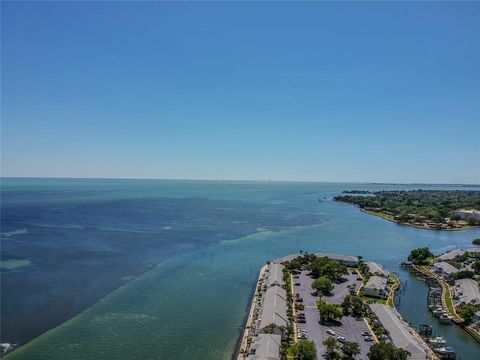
[234, 180]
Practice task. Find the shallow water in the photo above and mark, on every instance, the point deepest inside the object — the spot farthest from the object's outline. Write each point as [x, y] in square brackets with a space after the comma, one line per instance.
[193, 303]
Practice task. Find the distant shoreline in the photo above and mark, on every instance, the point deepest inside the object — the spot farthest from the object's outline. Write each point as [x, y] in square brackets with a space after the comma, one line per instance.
[425, 227]
[14, 177]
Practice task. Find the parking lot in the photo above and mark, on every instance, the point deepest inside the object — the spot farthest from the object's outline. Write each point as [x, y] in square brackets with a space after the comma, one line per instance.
[350, 328]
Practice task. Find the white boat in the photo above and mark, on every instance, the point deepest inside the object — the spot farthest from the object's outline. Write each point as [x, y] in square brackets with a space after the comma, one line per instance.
[437, 341]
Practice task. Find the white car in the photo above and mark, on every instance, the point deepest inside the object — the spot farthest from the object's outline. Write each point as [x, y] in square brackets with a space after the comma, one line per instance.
[302, 334]
[342, 339]
[331, 332]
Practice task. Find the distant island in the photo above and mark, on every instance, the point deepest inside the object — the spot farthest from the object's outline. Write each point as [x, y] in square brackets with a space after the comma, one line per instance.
[357, 192]
[426, 209]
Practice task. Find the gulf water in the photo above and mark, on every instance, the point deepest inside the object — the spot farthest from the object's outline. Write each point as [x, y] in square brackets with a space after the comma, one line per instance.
[156, 269]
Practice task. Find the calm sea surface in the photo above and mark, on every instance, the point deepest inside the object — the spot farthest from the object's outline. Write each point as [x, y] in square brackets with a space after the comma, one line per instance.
[155, 269]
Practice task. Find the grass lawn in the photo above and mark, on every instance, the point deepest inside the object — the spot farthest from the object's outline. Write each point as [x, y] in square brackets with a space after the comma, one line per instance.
[425, 267]
[396, 284]
[449, 302]
[367, 299]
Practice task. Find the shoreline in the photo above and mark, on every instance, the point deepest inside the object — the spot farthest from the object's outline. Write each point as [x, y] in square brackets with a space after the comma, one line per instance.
[387, 217]
[243, 340]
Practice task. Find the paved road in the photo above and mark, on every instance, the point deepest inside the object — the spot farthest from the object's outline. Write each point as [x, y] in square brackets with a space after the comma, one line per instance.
[350, 328]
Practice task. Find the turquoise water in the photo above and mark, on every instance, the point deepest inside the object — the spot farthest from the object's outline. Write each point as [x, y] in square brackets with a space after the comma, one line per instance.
[192, 304]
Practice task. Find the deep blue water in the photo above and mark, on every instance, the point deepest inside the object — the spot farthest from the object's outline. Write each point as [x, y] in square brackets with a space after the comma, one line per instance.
[173, 262]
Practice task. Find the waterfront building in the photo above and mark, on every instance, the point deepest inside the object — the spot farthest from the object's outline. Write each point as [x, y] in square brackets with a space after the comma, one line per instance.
[400, 334]
[274, 311]
[468, 214]
[451, 255]
[347, 260]
[274, 275]
[467, 291]
[376, 286]
[444, 269]
[377, 269]
[265, 347]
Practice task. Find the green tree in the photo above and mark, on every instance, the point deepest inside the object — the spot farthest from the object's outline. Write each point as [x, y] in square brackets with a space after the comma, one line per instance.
[329, 312]
[353, 305]
[384, 351]
[464, 274]
[332, 345]
[305, 350]
[476, 242]
[467, 312]
[420, 256]
[323, 285]
[326, 267]
[350, 349]
[401, 354]
[357, 306]
[334, 270]
[471, 221]
[347, 304]
[476, 267]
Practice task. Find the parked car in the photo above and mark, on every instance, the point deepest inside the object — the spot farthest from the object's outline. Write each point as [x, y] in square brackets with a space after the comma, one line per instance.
[297, 284]
[296, 276]
[302, 334]
[368, 338]
[299, 299]
[331, 332]
[366, 333]
[342, 339]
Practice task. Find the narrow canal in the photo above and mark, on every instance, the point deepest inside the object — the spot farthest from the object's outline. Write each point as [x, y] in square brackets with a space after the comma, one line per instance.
[411, 302]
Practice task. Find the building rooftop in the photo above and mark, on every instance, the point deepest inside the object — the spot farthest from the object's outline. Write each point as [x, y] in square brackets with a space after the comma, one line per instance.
[275, 274]
[468, 211]
[467, 291]
[457, 252]
[377, 269]
[274, 308]
[452, 254]
[400, 333]
[446, 267]
[376, 282]
[337, 257]
[287, 258]
[266, 347]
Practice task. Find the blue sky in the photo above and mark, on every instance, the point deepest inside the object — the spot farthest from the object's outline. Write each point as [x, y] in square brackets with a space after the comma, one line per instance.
[377, 91]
